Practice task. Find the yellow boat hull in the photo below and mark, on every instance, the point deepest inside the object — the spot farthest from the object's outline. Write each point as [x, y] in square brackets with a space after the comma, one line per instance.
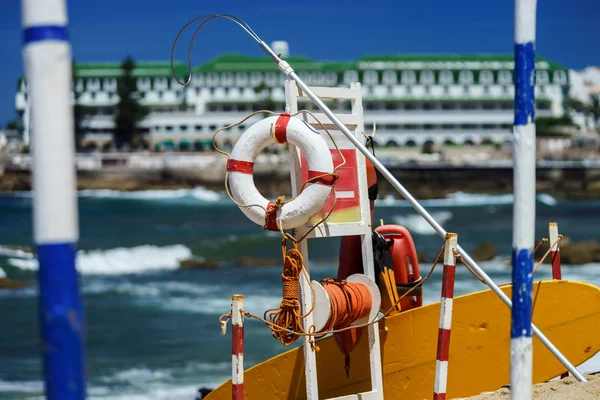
[567, 312]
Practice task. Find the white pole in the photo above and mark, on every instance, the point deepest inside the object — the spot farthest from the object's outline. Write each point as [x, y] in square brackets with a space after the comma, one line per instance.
[521, 348]
[47, 59]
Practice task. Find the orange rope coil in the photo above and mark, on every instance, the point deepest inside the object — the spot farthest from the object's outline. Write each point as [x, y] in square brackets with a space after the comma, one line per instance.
[287, 316]
[349, 303]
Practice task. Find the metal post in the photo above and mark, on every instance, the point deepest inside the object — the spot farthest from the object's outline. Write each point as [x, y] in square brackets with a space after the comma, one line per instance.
[287, 69]
[237, 347]
[47, 59]
[443, 346]
[555, 252]
[521, 345]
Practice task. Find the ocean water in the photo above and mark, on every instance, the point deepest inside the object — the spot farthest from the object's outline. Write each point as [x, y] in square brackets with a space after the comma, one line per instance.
[152, 330]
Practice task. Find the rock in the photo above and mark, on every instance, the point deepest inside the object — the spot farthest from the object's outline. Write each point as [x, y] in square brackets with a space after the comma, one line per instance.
[580, 253]
[197, 263]
[484, 252]
[249, 261]
[6, 283]
[202, 393]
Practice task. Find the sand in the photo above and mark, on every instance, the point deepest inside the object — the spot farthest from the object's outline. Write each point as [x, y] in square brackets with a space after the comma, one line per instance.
[561, 389]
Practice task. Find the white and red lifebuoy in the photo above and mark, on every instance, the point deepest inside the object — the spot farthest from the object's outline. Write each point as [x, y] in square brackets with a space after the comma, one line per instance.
[281, 129]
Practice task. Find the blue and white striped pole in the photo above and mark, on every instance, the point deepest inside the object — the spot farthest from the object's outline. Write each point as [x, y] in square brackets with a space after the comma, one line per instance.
[47, 58]
[521, 349]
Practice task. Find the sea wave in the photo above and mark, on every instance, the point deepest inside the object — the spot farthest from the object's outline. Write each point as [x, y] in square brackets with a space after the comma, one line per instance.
[460, 199]
[416, 224]
[2, 273]
[21, 386]
[8, 251]
[120, 260]
[198, 193]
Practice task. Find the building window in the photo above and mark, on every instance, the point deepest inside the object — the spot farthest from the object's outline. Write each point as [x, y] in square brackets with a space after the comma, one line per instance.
[331, 78]
[390, 77]
[370, 77]
[241, 79]
[183, 128]
[168, 128]
[541, 77]
[198, 128]
[428, 106]
[427, 77]
[350, 76]
[256, 78]
[486, 77]
[560, 77]
[391, 106]
[465, 77]
[212, 79]
[505, 77]
[271, 78]
[409, 77]
[318, 78]
[446, 77]
[227, 79]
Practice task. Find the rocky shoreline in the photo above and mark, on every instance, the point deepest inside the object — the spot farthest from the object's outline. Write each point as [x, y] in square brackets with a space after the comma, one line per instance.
[423, 184]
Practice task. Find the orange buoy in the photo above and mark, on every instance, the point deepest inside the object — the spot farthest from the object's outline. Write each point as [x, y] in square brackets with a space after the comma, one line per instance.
[405, 262]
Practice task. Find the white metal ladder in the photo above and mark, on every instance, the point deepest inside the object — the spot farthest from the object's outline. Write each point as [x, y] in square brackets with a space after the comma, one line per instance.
[356, 222]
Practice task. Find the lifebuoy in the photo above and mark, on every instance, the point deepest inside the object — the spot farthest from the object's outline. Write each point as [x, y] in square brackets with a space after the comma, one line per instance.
[281, 129]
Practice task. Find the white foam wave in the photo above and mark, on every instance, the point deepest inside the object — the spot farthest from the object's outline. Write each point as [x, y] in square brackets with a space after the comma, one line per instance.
[10, 252]
[199, 193]
[158, 392]
[21, 386]
[547, 199]
[417, 224]
[120, 260]
[2, 273]
[148, 289]
[460, 199]
[219, 305]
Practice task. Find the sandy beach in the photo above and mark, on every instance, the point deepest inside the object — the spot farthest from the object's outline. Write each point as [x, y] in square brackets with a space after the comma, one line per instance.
[560, 389]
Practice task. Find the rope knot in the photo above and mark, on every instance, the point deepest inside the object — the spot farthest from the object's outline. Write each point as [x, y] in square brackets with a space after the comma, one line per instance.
[271, 213]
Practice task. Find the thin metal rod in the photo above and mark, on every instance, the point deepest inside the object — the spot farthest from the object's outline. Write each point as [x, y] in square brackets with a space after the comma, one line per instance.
[286, 69]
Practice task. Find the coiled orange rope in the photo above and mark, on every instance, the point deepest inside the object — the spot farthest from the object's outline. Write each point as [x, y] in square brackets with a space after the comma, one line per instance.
[349, 303]
[287, 316]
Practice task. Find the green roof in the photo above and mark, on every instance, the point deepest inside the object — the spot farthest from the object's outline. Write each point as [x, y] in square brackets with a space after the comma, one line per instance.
[235, 62]
[146, 68]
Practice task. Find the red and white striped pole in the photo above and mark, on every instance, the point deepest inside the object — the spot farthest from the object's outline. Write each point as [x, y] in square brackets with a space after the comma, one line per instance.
[443, 347]
[555, 253]
[237, 347]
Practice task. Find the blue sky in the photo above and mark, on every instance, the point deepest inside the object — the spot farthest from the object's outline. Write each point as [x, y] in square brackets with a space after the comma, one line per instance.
[567, 32]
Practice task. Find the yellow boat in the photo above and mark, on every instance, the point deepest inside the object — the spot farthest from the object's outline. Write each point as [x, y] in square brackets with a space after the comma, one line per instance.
[567, 312]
